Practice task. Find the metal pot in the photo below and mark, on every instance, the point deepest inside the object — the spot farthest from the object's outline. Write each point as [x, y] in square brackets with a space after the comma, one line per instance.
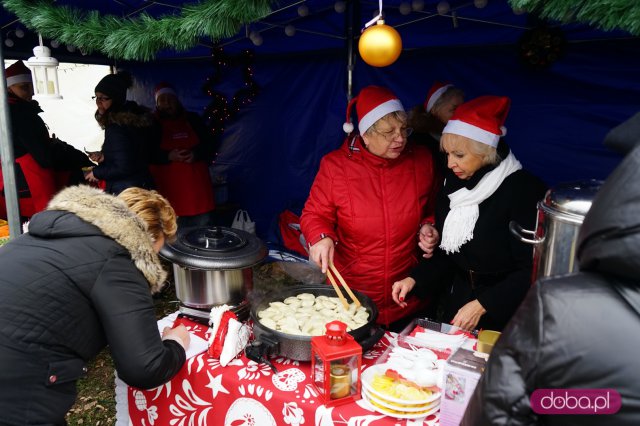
[560, 215]
[212, 266]
[269, 341]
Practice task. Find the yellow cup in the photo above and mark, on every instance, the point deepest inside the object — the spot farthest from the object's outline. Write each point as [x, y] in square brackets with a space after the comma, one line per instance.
[486, 340]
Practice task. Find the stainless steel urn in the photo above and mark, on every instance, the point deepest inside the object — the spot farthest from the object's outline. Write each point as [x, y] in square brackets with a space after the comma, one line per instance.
[560, 215]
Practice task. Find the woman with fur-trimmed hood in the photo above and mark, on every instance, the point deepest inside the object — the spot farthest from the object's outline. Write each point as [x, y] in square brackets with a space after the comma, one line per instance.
[79, 280]
[123, 162]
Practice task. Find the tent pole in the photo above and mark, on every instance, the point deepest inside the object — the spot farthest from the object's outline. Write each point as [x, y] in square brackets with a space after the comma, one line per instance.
[350, 22]
[6, 153]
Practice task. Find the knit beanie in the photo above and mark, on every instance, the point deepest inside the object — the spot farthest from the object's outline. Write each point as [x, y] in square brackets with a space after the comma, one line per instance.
[115, 86]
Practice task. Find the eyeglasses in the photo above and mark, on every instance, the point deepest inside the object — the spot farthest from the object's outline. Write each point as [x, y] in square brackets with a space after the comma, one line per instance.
[101, 98]
[405, 132]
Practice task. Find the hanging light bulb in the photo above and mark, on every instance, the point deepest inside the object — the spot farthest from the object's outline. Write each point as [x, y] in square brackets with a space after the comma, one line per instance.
[71, 48]
[44, 72]
[404, 8]
[443, 8]
[8, 42]
[303, 10]
[19, 32]
[340, 6]
[417, 5]
[257, 39]
[380, 45]
[55, 44]
[290, 30]
[480, 3]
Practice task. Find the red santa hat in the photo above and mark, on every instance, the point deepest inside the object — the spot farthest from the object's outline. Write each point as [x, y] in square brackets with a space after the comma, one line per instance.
[17, 73]
[164, 88]
[480, 119]
[435, 93]
[372, 103]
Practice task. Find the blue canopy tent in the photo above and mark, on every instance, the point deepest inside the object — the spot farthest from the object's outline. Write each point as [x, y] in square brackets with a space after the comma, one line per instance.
[271, 149]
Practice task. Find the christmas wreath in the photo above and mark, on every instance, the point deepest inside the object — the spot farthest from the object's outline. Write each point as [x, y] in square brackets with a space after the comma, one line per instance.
[142, 36]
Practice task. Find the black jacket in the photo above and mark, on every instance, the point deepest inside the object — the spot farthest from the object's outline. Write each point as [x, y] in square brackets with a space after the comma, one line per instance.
[501, 264]
[80, 279]
[127, 130]
[30, 135]
[579, 330]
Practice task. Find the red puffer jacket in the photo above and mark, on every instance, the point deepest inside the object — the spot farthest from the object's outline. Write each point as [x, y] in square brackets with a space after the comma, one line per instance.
[372, 208]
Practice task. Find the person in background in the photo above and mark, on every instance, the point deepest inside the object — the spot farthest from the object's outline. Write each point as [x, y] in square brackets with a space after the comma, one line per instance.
[80, 279]
[578, 331]
[486, 271]
[369, 199]
[44, 164]
[429, 118]
[124, 159]
[180, 163]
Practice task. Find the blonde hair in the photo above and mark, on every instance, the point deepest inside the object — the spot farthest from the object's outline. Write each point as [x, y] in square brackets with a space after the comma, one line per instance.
[154, 210]
[487, 153]
[401, 116]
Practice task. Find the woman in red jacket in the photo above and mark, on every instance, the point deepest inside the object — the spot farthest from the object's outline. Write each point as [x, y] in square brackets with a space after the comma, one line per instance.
[369, 200]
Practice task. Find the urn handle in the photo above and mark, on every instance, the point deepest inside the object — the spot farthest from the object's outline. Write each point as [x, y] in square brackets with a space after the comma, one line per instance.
[517, 231]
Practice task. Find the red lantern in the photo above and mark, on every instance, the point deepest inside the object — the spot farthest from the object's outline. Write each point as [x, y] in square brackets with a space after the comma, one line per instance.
[336, 359]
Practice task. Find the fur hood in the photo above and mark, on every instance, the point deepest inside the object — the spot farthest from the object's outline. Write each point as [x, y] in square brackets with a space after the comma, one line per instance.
[130, 115]
[115, 220]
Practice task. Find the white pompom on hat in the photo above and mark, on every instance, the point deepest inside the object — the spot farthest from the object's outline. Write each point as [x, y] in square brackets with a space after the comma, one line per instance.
[435, 93]
[481, 119]
[18, 73]
[372, 103]
[164, 88]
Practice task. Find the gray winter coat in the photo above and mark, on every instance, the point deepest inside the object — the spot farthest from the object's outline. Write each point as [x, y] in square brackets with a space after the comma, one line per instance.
[79, 280]
[580, 330]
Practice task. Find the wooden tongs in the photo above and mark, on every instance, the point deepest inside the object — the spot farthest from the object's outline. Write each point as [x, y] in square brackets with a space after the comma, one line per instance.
[333, 271]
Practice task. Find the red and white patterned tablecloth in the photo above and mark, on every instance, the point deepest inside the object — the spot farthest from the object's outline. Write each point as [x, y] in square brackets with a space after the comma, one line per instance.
[245, 393]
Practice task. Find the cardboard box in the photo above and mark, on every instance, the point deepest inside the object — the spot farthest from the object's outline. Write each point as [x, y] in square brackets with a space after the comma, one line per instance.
[461, 375]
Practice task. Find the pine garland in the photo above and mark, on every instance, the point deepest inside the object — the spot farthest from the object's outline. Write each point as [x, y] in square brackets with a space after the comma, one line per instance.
[604, 14]
[138, 38]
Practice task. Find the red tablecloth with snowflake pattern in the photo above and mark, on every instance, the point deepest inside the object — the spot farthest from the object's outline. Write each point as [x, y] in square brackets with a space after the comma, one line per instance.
[245, 393]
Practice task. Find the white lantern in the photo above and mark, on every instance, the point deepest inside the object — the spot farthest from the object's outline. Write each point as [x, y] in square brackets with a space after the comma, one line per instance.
[44, 71]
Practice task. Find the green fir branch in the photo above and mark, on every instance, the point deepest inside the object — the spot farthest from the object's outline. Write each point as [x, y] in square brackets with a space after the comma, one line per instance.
[607, 15]
[138, 38]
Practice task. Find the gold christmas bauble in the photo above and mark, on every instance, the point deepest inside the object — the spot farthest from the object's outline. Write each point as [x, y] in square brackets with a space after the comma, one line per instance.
[380, 45]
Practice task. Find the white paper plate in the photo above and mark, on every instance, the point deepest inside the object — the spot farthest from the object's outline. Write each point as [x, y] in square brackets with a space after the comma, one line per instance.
[367, 379]
[400, 407]
[399, 414]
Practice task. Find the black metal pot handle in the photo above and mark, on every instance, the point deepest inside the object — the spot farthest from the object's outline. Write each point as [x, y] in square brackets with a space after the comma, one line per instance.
[368, 342]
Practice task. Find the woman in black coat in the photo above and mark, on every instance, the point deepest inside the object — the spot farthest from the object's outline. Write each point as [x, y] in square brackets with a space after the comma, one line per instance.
[124, 160]
[79, 280]
[577, 331]
[485, 270]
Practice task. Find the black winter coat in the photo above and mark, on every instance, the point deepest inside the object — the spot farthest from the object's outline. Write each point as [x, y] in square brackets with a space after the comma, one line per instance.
[577, 331]
[77, 281]
[30, 135]
[494, 267]
[127, 130]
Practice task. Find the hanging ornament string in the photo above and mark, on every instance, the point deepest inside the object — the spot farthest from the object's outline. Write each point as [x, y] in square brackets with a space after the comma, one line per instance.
[376, 18]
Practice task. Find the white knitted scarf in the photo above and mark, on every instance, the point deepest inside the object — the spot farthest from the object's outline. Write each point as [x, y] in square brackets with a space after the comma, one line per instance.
[463, 214]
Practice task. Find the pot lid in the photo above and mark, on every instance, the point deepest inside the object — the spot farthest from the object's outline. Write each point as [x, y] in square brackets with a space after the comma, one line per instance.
[572, 197]
[214, 247]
